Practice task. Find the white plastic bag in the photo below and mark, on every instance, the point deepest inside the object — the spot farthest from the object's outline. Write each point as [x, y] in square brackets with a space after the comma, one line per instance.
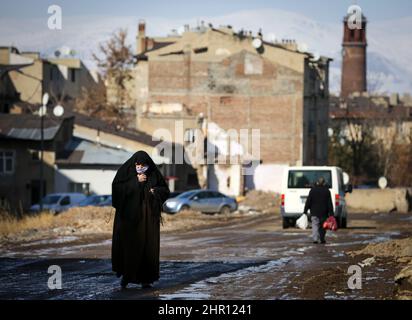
[302, 222]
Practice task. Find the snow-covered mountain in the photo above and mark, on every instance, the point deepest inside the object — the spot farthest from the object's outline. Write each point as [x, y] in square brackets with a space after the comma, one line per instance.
[389, 50]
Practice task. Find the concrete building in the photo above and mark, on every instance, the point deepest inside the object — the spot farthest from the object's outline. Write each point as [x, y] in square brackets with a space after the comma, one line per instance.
[387, 118]
[62, 78]
[80, 155]
[102, 133]
[10, 60]
[216, 79]
[20, 157]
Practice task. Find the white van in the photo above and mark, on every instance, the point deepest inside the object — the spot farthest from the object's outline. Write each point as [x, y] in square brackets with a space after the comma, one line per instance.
[296, 184]
[58, 202]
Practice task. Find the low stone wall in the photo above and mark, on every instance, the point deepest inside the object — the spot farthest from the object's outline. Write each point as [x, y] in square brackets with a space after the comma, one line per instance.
[377, 200]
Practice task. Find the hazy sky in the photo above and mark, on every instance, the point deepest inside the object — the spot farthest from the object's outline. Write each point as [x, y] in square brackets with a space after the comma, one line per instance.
[321, 10]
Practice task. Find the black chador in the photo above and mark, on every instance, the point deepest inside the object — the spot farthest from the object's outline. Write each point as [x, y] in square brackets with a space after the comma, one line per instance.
[136, 230]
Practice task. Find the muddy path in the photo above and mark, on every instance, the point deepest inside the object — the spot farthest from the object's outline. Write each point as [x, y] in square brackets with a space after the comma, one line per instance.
[250, 259]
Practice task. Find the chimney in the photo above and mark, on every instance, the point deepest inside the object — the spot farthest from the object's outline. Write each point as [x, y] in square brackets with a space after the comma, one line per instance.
[141, 38]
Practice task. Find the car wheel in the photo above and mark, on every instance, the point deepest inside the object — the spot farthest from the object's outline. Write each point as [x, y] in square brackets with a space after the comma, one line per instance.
[225, 210]
[285, 223]
[184, 208]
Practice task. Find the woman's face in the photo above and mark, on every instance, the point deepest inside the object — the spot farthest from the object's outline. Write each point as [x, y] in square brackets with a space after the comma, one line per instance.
[139, 166]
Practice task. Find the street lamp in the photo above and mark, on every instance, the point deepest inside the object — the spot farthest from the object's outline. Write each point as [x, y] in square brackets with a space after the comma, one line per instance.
[58, 112]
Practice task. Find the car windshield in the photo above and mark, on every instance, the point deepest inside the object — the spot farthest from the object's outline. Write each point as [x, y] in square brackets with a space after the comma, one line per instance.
[52, 199]
[186, 195]
[303, 179]
[93, 200]
[89, 200]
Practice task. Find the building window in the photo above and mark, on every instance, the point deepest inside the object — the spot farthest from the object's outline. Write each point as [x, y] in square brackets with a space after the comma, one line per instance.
[73, 75]
[79, 187]
[35, 155]
[7, 162]
[311, 128]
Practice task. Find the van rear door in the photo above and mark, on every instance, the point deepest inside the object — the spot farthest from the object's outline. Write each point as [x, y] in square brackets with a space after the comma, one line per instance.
[299, 183]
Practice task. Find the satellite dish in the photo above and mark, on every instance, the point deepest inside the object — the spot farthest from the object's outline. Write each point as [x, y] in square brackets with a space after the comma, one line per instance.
[42, 111]
[57, 53]
[346, 178]
[180, 30]
[316, 56]
[65, 51]
[303, 47]
[45, 99]
[257, 43]
[58, 111]
[382, 182]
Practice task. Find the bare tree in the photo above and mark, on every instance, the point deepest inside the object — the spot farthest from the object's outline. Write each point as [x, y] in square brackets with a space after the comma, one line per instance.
[399, 164]
[357, 147]
[93, 102]
[115, 60]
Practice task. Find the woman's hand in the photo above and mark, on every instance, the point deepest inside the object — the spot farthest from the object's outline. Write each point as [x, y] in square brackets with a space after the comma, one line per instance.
[141, 177]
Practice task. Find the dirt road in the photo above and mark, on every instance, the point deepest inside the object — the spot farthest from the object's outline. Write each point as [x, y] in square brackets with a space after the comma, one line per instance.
[250, 259]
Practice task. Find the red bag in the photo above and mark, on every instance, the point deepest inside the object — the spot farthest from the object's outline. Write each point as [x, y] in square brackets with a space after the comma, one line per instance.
[330, 224]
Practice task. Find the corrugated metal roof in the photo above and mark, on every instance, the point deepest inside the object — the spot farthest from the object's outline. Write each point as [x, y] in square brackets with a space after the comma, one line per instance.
[80, 151]
[27, 126]
[93, 153]
[32, 133]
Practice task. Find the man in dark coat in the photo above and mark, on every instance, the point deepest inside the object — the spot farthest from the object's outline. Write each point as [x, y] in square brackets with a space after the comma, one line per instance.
[319, 202]
[138, 193]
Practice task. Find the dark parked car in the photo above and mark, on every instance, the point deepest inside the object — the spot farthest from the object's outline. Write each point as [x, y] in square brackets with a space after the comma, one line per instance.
[96, 201]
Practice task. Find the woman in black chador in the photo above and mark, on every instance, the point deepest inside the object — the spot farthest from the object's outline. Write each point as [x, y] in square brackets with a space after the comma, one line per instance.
[138, 193]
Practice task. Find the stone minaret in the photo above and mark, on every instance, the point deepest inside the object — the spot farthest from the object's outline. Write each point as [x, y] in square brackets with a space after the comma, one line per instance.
[353, 59]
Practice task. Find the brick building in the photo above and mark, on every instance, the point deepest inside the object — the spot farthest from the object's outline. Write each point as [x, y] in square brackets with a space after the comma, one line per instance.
[232, 81]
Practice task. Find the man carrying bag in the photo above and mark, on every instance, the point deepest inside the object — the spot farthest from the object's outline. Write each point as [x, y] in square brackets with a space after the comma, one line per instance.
[319, 202]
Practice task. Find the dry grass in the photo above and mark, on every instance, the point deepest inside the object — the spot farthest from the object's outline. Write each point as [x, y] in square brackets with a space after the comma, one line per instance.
[11, 225]
[99, 220]
[88, 220]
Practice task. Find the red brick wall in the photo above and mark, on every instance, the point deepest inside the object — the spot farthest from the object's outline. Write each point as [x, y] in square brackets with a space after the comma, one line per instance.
[271, 101]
